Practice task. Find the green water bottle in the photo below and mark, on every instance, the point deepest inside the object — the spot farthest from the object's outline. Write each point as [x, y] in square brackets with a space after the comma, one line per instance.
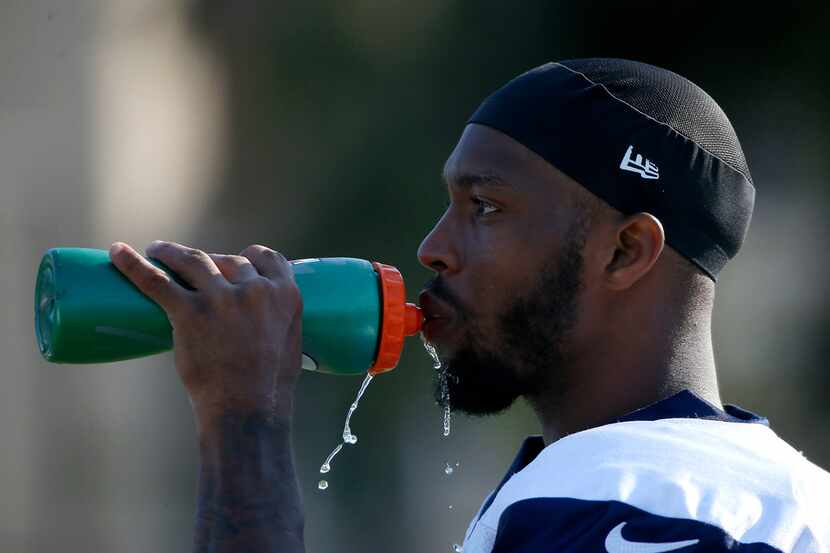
[355, 314]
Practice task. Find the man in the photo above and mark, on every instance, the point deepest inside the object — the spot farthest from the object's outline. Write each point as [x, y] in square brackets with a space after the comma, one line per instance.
[592, 205]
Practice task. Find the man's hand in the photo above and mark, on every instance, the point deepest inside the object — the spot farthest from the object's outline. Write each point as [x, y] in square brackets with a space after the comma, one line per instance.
[237, 347]
[237, 336]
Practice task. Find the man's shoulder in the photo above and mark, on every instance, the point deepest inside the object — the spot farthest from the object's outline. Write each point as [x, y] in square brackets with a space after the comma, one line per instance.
[740, 479]
[706, 450]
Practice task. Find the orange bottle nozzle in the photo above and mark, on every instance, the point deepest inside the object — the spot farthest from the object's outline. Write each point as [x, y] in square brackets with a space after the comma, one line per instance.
[399, 319]
[413, 319]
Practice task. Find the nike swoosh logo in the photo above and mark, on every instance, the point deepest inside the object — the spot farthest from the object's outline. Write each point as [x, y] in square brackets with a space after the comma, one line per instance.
[616, 543]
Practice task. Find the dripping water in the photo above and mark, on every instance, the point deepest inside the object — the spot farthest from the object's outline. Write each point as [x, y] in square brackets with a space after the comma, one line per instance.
[445, 392]
[348, 436]
[449, 469]
[445, 399]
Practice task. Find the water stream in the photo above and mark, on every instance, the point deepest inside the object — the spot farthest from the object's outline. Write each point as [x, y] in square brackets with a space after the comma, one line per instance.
[445, 392]
[445, 399]
[348, 436]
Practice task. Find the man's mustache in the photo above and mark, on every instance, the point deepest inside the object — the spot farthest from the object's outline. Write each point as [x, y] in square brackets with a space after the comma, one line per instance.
[438, 287]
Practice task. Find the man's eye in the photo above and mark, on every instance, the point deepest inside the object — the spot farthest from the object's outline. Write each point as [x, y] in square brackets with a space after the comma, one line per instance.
[484, 207]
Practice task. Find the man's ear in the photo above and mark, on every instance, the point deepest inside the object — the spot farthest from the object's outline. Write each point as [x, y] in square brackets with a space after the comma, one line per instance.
[639, 240]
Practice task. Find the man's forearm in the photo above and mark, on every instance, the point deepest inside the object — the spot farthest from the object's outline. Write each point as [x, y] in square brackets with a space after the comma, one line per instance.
[249, 498]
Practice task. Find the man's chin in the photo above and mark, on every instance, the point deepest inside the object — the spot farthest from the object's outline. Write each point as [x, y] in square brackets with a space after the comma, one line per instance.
[445, 333]
[481, 409]
[473, 398]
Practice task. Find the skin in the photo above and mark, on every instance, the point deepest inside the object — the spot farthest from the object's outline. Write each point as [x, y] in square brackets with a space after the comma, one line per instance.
[642, 330]
[640, 333]
[237, 340]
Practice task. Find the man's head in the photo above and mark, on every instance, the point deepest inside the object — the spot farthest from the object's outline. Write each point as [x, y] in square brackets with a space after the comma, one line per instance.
[534, 265]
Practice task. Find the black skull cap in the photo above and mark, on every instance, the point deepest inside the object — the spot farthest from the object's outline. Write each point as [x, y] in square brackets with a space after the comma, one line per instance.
[641, 138]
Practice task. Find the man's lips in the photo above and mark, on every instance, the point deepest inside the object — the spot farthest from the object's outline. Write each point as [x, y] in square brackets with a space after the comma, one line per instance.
[437, 315]
[432, 307]
[435, 327]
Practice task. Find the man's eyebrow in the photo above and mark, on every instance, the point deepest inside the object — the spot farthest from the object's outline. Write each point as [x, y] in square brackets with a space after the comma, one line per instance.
[466, 181]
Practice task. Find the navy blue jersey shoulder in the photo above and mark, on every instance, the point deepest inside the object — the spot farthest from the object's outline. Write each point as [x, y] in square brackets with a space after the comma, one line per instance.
[568, 525]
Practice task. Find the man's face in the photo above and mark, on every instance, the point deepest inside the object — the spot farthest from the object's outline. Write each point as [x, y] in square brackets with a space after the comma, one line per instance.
[508, 257]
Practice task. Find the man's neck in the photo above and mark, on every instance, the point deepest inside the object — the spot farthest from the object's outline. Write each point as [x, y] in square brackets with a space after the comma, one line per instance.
[622, 371]
[600, 405]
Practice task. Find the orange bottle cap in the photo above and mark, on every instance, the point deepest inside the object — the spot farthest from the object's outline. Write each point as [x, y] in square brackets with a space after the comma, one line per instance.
[399, 319]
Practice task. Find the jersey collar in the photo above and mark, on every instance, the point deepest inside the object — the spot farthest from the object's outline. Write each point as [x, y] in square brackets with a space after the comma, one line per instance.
[687, 405]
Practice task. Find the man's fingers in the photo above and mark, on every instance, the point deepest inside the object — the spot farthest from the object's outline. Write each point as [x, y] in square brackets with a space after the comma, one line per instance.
[148, 278]
[236, 268]
[268, 263]
[194, 266]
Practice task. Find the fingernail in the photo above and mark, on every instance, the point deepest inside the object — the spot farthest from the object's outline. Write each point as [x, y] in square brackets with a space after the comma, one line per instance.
[116, 248]
[155, 244]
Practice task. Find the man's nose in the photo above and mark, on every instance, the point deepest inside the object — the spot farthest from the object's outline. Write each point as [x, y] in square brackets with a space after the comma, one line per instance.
[437, 250]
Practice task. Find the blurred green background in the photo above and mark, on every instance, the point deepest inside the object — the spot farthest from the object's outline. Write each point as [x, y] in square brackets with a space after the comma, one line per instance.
[320, 129]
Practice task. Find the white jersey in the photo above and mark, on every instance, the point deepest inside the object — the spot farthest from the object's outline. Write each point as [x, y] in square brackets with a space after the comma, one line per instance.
[680, 475]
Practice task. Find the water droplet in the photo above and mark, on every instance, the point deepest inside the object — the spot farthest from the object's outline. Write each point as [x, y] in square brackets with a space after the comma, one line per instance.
[436, 361]
[447, 416]
[350, 439]
[326, 466]
[457, 548]
[448, 469]
[322, 484]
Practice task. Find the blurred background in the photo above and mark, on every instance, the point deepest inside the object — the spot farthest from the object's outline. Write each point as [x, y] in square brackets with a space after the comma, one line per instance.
[320, 129]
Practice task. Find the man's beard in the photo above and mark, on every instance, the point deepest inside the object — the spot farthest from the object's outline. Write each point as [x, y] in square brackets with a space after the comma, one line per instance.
[480, 380]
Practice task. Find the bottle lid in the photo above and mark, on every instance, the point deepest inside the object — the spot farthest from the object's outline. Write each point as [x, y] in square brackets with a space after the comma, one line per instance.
[399, 319]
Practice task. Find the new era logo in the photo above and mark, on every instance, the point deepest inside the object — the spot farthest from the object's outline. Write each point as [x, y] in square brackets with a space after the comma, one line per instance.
[642, 167]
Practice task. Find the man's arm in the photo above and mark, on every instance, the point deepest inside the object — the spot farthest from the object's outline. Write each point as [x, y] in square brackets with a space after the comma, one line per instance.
[237, 346]
[249, 499]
